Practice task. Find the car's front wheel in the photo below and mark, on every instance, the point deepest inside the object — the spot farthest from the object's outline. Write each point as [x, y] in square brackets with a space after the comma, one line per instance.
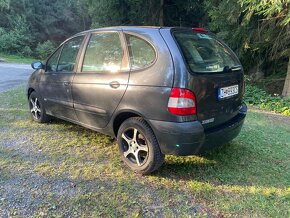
[37, 109]
[138, 146]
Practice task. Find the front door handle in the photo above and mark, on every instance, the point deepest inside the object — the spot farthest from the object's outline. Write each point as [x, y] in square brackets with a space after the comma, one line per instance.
[66, 83]
[115, 84]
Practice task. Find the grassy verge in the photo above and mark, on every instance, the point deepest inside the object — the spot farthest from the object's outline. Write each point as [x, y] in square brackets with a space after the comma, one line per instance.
[16, 59]
[61, 169]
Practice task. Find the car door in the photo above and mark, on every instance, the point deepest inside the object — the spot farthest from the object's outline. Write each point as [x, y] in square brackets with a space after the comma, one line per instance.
[55, 82]
[102, 78]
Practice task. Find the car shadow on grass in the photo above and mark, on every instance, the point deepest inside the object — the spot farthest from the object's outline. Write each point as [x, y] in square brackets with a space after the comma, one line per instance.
[233, 164]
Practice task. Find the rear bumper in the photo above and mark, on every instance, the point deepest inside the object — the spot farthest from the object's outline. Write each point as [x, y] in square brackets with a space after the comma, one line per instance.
[190, 138]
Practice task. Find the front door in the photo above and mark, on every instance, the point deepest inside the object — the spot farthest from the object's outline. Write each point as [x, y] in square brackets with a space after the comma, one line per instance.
[55, 82]
[102, 78]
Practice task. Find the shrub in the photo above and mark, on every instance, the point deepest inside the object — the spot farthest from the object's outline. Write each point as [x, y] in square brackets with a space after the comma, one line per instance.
[18, 39]
[26, 51]
[43, 50]
[258, 97]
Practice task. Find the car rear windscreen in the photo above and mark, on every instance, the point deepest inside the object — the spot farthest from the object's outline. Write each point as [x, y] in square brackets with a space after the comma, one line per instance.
[206, 54]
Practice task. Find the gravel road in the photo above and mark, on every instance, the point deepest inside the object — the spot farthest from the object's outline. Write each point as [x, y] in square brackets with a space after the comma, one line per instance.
[12, 75]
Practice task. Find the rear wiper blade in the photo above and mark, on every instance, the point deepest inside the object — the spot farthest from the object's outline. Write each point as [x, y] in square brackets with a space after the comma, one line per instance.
[237, 67]
[233, 68]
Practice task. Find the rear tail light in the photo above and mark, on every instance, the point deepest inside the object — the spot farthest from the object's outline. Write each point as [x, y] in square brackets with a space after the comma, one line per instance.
[182, 102]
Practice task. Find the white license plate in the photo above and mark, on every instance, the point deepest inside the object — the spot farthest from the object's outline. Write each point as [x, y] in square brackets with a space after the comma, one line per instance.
[227, 92]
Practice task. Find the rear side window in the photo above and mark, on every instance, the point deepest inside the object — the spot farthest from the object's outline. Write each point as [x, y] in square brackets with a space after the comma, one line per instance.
[204, 53]
[104, 53]
[142, 54]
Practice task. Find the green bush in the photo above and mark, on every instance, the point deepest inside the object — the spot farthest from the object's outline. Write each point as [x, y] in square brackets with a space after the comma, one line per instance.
[18, 39]
[43, 50]
[26, 51]
[258, 97]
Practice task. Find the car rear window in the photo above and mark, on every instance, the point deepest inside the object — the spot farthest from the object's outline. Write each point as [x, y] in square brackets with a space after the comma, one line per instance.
[204, 53]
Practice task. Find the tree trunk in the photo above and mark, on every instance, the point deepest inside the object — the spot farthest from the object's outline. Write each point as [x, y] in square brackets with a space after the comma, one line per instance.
[257, 72]
[161, 14]
[286, 89]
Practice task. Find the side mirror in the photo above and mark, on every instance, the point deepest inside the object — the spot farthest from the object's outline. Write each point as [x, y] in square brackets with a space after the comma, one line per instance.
[37, 65]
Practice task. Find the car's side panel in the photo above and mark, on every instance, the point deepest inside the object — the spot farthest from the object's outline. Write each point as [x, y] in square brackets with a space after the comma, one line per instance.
[56, 92]
[94, 99]
[180, 68]
[97, 94]
[151, 102]
[55, 86]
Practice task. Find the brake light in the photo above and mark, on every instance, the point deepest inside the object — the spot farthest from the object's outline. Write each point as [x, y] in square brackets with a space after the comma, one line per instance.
[200, 29]
[182, 102]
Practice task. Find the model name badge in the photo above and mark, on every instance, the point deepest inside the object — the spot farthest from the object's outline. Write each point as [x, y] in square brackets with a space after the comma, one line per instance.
[208, 121]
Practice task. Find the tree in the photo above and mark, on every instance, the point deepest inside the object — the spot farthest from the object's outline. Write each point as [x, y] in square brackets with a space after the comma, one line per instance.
[4, 4]
[161, 13]
[48, 19]
[18, 39]
[257, 30]
[185, 13]
[275, 28]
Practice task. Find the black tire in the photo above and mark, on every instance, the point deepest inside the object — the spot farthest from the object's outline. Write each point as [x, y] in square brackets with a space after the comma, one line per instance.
[37, 109]
[136, 140]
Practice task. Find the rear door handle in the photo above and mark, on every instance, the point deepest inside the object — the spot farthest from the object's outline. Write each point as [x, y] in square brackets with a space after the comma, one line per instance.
[66, 83]
[115, 84]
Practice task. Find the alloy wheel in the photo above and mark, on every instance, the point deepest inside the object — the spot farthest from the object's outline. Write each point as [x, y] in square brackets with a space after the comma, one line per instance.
[134, 146]
[35, 108]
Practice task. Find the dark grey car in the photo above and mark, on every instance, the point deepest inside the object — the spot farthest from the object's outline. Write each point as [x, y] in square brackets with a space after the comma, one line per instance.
[157, 90]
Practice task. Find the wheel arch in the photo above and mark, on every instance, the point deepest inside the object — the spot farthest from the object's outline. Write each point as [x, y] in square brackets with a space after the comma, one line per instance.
[121, 117]
[29, 91]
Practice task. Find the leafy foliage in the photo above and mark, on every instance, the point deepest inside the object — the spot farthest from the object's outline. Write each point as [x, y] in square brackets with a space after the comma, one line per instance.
[47, 19]
[258, 97]
[43, 50]
[18, 38]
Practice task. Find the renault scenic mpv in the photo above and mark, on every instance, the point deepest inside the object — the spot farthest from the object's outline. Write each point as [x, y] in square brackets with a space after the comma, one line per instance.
[158, 90]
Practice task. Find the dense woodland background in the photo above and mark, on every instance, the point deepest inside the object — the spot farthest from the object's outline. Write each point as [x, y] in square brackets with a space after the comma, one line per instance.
[257, 30]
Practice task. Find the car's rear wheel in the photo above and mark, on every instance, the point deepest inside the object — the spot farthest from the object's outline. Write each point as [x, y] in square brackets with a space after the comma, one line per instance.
[37, 109]
[138, 146]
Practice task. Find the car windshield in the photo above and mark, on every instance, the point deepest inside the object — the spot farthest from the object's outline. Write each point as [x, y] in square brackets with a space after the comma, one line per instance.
[206, 54]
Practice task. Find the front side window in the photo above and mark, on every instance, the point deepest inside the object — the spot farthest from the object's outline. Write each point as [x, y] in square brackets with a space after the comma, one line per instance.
[204, 53]
[51, 64]
[104, 53]
[142, 54]
[69, 54]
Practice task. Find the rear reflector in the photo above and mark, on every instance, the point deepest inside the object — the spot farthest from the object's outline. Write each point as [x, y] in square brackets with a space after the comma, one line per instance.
[200, 30]
[182, 102]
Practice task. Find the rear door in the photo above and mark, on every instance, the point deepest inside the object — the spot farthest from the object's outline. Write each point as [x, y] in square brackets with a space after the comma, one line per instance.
[215, 76]
[55, 82]
[102, 78]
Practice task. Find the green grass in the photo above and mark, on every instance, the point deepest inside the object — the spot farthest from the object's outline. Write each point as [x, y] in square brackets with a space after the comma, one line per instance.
[16, 59]
[61, 169]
